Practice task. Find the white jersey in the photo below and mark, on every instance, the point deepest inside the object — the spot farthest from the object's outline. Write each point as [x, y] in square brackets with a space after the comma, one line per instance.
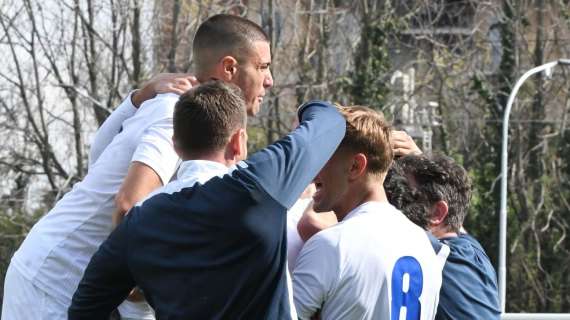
[57, 250]
[375, 264]
[294, 241]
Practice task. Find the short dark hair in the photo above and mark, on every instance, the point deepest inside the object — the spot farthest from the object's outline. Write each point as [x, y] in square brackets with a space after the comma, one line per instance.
[224, 34]
[435, 178]
[369, 133]
[206, 116]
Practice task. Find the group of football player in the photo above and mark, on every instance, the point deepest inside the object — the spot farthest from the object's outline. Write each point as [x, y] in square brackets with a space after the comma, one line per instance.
[343, 218]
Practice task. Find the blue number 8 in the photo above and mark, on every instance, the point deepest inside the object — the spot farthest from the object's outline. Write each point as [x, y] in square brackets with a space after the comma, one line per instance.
[411, 298]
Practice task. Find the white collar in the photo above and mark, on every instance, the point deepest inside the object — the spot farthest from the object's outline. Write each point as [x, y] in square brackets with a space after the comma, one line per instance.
[196, 167]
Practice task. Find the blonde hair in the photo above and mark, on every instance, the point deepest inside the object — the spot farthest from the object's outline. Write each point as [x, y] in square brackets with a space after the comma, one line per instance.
[368, 132]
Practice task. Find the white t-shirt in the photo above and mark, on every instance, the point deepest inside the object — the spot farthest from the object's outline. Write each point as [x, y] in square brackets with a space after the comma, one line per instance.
[365, 265]
[58, 248]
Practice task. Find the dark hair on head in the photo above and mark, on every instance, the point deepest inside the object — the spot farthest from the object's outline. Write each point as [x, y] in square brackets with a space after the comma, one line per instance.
[438, 178]
[369, 133]
[405, 198]
[222, 35]
[206, 116]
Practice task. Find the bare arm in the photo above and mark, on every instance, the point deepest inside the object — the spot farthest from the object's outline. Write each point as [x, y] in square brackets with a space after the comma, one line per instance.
[312, 222]
[164, 83]
[139, 182]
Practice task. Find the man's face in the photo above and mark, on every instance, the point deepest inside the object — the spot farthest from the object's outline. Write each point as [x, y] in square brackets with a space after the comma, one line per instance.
[254, 77]
[332, 183]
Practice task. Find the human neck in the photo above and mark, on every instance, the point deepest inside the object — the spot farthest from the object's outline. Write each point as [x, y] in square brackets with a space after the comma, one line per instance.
[441, 232]
[359, 194]
[208, 76]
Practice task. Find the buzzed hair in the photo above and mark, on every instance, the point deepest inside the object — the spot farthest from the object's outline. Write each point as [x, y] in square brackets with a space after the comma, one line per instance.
[224, 35]
[206, 116]
[368, 132]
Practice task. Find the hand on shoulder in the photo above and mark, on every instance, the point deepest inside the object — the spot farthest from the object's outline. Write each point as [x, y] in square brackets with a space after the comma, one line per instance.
[164, 83]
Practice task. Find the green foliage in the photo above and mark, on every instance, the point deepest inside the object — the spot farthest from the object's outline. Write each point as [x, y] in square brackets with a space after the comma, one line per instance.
[538, 258]
[256, 139]
[367, 83]
[14, 227]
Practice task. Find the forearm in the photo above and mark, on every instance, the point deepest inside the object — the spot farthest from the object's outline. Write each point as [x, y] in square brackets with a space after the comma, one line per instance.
[140, 181]
[162, 83]
[285, 168]
[118, 215]
[312, 223]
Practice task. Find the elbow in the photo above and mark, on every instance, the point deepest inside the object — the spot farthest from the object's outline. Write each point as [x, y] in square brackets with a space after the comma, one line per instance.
[123, 203]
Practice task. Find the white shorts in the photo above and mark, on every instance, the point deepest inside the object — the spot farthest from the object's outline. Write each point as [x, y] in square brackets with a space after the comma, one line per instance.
[24, 301]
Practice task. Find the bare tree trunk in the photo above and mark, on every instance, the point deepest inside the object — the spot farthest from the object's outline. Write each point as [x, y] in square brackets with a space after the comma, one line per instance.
[90, 53]
[70, 88]
[174, 36]
[72, 95]
[534, 166]
[273, 115]
[136, 44]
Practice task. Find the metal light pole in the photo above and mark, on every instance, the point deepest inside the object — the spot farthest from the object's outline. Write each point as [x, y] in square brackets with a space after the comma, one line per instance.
[547, 67]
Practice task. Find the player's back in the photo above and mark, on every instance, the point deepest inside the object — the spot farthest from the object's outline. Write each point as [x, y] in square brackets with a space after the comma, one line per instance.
[384, 265]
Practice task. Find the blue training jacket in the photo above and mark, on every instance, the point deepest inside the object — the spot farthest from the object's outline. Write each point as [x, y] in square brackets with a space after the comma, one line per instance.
[469, 288]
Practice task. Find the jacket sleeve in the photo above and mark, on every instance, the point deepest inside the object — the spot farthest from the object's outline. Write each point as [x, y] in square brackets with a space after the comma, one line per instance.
[285, 168]
[107, 280]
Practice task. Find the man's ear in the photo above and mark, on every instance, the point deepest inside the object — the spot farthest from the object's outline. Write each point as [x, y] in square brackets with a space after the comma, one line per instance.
[358, 165]
[439, 211]
[237, 146]
[227, 68]
[177, 148]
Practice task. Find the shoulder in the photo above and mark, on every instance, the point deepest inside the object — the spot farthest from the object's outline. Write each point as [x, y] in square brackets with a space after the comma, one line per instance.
[467, 258]
[470, 240]
[469, 281]
[160, 106]
[464, 246]
[323, 244]
[154, 209]
[320, 258]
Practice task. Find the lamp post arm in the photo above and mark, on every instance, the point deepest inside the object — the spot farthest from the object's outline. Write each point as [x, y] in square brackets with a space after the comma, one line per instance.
[504, 172]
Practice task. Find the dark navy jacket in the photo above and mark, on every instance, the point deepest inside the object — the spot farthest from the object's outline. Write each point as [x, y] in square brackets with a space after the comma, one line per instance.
[469, 288]
[218, 250]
